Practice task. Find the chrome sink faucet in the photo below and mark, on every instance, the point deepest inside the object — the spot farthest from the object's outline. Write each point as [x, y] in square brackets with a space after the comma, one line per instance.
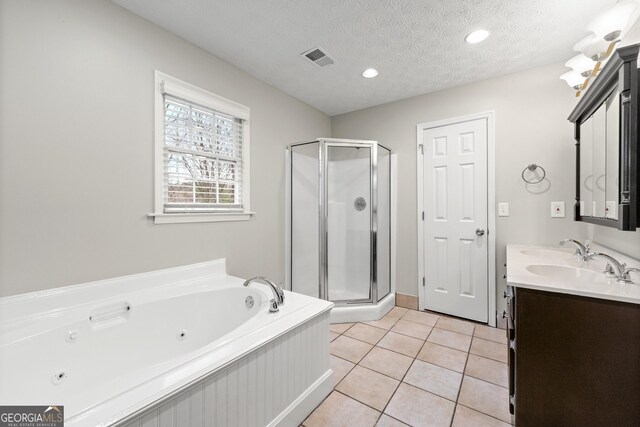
[581, 250]
[619, 270]
[278, 293]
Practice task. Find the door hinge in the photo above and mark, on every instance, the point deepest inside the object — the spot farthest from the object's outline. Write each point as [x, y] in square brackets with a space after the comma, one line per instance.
[423, 282]
[423, 215]
[421, 148]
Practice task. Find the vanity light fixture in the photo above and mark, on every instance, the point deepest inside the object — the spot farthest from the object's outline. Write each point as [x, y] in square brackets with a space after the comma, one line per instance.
[607, 30]
[476, 36]
[369, 73]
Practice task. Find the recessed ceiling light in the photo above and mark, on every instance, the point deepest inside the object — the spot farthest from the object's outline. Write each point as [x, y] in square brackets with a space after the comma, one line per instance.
[369, 73]
[476, 36]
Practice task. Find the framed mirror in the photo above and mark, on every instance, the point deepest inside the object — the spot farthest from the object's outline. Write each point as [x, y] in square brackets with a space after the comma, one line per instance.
[607, 155]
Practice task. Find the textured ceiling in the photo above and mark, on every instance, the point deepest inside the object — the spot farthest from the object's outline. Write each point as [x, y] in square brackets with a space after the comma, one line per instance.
[417, 45]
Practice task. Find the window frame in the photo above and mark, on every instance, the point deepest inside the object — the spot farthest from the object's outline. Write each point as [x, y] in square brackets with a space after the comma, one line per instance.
[166, 84]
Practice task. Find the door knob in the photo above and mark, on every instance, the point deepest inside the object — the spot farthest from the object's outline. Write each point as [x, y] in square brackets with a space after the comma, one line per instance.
[480, 231]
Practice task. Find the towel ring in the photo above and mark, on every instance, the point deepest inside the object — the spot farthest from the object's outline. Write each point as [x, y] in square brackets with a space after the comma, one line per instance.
[532, 167]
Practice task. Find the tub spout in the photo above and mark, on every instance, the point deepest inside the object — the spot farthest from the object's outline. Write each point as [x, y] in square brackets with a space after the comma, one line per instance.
[278, 293]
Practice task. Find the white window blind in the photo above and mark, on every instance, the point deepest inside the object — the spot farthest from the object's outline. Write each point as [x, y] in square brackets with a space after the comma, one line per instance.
[202, 158]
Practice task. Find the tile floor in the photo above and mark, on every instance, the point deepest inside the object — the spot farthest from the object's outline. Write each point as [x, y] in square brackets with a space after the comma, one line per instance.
[416, 368]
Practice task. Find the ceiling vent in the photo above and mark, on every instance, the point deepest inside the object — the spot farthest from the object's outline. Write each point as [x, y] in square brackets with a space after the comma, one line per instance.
[318, 57]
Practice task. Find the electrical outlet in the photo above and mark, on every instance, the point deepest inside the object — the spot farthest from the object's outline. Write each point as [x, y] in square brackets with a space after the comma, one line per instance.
[557, 209]
[503, 209]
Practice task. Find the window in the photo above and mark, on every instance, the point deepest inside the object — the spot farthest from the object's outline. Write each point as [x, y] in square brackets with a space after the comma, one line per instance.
[202, 155]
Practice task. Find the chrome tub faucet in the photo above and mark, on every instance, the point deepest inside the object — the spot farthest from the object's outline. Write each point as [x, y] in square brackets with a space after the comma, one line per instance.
[278, 293]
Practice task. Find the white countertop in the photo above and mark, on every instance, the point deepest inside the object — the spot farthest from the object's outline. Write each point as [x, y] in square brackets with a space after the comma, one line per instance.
[557, 269]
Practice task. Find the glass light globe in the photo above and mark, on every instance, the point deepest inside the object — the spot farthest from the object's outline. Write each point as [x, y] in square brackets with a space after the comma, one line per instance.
[573, 79]
[592, 47]
[581, 64]
[610, 23]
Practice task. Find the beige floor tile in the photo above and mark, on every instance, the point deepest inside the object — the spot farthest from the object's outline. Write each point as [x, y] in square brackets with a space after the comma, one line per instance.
[446, 357]
[340, 368]
[387, 362]
[368, 387]
[488, 370]
[365, 333]
[489, 349]
[386, 322]
[386, 421]
[401, 344]
[412, 329]
[348, 348]
[333, 336]
[450, 339]
[397, 312]
[419, 408]
[434, 379]
[491, 334]
[485, 397]
[339, 328]
[338, 410]
[421, 317]
[455, 325]
[467, 417]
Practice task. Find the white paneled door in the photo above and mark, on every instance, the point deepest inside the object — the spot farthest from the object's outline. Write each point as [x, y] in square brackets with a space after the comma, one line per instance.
[455, 219]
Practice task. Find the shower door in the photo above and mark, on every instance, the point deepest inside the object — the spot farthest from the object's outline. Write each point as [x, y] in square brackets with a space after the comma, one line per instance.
[349, 215]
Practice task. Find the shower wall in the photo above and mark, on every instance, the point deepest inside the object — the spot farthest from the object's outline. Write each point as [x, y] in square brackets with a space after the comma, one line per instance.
[305, 224]
[383, 246]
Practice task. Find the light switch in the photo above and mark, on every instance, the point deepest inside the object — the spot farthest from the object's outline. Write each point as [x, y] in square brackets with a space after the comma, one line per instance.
[503, 209]
[557, 209]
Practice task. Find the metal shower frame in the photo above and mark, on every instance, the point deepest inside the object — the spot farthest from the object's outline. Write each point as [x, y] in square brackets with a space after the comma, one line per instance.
[324, 145]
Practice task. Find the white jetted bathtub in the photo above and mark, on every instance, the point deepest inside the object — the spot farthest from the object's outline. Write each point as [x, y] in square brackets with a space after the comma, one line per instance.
[182, 346]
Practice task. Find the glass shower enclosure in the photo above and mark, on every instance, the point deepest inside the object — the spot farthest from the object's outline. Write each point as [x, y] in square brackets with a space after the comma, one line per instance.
[339, 220]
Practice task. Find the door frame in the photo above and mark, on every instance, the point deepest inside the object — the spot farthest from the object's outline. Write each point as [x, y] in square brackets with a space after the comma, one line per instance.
[325, 145]
[491, 206]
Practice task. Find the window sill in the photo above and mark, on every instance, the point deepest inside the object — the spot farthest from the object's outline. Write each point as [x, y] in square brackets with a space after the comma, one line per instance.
[177, 218]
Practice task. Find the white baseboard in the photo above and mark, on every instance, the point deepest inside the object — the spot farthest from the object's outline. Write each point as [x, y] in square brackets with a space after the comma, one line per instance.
[300, 408]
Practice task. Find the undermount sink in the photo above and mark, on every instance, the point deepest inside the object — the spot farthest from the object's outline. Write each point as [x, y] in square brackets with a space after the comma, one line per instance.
[561, 272]
[547, 253]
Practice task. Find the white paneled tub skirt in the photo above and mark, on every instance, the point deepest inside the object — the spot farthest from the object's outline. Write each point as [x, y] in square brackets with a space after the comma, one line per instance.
[176, 347]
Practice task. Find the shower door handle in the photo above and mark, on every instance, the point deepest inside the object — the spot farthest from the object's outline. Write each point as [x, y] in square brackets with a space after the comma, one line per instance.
[479, 231]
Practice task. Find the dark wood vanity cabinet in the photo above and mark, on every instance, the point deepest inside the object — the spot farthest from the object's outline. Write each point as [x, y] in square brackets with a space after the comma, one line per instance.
[574, 361]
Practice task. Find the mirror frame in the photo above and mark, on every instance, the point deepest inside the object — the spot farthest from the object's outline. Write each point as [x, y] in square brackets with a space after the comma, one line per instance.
[621, 72]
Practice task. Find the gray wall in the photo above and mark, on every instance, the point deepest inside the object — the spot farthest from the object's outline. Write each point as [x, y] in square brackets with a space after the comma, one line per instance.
[76, 149]
[76, 144]
[531, 110]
